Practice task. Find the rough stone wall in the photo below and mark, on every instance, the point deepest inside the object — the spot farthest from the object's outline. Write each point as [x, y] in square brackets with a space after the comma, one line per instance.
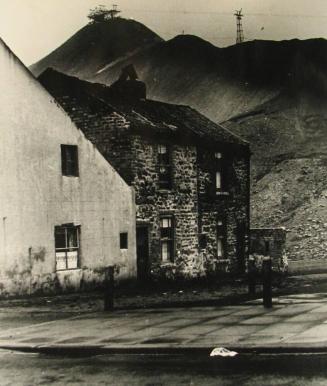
[231, 206]
[269, 242]
[180, 201]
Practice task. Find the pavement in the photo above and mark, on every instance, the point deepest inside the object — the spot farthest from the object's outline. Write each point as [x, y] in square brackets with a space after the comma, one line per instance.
[296, 323]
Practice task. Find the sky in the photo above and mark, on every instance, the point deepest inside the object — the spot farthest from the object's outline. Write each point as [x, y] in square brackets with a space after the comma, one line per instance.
[33, 28]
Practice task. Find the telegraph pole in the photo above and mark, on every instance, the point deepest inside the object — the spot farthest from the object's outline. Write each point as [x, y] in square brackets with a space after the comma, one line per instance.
[239, 34]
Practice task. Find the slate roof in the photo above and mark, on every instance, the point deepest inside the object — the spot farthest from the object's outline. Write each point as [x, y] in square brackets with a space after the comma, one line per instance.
[149, 116]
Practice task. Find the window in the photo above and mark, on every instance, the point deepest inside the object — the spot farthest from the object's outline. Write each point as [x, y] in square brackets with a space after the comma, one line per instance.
[220, 182]
[221, 239]
[69, 160]
[203, 241]
[164, 167]
[123, 240]
[167, 238]
[67, 247]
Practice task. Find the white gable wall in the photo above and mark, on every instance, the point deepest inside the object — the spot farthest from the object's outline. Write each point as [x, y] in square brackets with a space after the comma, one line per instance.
[35, 197]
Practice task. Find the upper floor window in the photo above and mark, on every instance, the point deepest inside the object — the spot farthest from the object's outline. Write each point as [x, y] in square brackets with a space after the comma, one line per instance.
[167, 238]
[69, 160]
[219, 175]
[67, 247]
[164, 167]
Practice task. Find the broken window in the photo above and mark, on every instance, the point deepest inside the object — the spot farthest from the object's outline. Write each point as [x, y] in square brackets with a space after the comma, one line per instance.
[67, 247]
[69, 160]
[167, 238]
[221, 239]
[124, 240]
[164, 167]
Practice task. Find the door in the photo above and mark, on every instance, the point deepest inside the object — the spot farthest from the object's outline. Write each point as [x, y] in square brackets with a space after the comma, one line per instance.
[142, 250]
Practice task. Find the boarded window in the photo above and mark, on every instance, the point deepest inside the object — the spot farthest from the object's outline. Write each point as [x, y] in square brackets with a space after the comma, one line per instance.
[167, 239]
[164, 167]
[221, 239]
[69, 160]
[67, 247]
[123, 240]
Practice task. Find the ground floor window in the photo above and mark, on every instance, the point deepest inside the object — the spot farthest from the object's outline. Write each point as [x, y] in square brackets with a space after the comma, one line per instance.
[221, 239]
[123, 237]
[67, 247]
[167, 238]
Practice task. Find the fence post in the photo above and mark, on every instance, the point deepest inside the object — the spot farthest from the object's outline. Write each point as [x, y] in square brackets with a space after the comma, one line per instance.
[251, 276]
[109, 289]
[266, 281]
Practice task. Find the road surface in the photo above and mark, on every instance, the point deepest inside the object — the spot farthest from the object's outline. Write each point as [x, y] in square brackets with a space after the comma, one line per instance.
[34, 369]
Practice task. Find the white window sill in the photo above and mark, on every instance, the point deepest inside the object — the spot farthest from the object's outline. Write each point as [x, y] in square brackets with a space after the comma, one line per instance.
[218, 193]
[68, 269]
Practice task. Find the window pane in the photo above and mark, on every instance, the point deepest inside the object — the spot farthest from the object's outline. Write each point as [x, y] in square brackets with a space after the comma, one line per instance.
[165, 222]
[72, 238]
[60, 237]
[72, 260]
[218, 155]
[69, 160]
[165, 251]
[162, 149]
[60, 260]
[220, 247]
[218, 180]
[123, 241]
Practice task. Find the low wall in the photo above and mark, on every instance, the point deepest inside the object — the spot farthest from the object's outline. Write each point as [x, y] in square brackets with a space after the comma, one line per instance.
[269, 242]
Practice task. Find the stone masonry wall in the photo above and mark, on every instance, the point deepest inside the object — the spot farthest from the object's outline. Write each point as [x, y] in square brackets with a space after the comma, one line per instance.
[180, 201]
[231, 206]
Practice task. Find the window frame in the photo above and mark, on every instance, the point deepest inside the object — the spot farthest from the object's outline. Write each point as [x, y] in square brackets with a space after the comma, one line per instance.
[169, 240]
[69, 167]
[219, 169]
[68, 248]
[164, 161]
[122, 241]
[221, 236]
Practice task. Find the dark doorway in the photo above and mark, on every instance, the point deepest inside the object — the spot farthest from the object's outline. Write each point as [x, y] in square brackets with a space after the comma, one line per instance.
[142, 245]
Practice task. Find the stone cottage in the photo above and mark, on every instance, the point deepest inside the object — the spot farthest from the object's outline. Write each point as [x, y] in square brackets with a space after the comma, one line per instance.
[65, 213]
[190, 175]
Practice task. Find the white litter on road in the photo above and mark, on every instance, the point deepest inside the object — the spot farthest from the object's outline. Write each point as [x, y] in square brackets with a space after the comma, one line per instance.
[223, 352]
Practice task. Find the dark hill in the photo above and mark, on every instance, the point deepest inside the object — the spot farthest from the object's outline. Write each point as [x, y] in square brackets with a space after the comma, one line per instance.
[96, 45]
[220, 82]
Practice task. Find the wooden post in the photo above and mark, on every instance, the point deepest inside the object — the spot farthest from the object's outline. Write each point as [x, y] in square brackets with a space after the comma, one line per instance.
[266, 281]
[109, 289]
[251, 276]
